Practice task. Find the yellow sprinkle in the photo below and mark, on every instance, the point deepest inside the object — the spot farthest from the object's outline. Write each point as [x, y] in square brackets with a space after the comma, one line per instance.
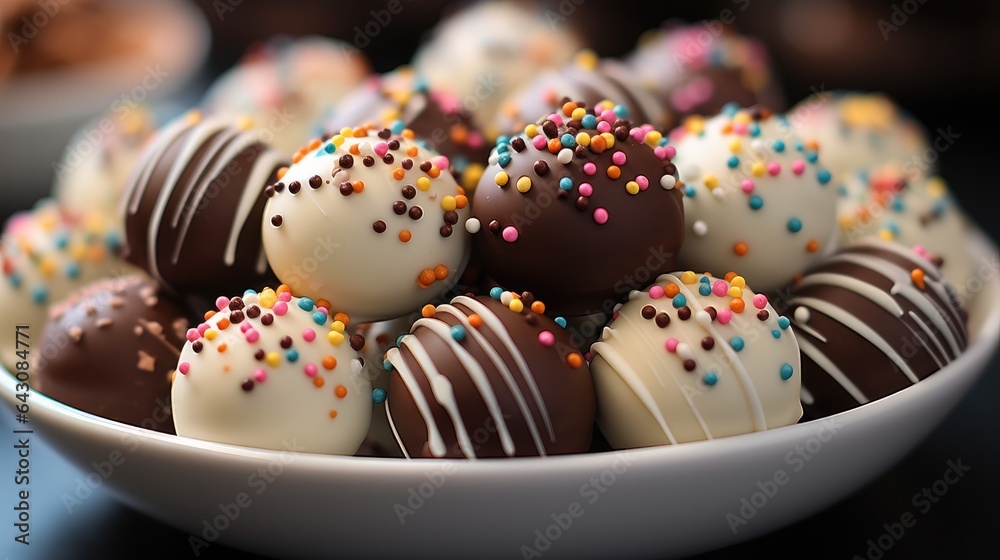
[523, 184]
[423, 183]
[885, 234]
[689, 277]
[335, 338]
[695, 124]
[578, 113]
[516, 306]
[273, 359]
[711, 181]
[757, 169]
[47, 267]
[347, 132]
[268, 298]
[742, 118]
[338, 326]
[610, 138]
[735, 291]
[244, 123]
[632, 187]
[210, 334]
[448, 203]
[653, 138]
[193, 117]
[502, 178]
[531, 130]
[586, 59]
[738, 281]
[78, 252]
[735, 145]
[583, 139]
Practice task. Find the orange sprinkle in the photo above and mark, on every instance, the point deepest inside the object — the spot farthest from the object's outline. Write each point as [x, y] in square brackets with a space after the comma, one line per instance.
[333, 414]
[209, 314]
[459, 191]
[398, 173]
[475, 320]
[917, 275]
[574, 360]
[727, 128]
[555, 145]
[325, 303]
[340, 391]
[461, 201]
[314, 143]
[425, 278]
[568, 108]
[614, 172]
[223, 347]
[440, 272]
[812, 246]
[342, 317]
[283, 288]
[812, 145]
[434, 173]
[729, 276]
[459, 135]
[298, 157]
[427, 311]
[671, 290]
[223, 324]
[318, 382]
[598, 144]
[329, 363]
[358, 185]
[411, 151]
[281, 172]
[741, 249]
[405, 236]
[354, 150]
[538, 307]
[737, 305]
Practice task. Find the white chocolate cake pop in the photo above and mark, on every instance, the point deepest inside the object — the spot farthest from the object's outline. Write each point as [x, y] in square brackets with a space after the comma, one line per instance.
[693, 358]
[270, 370]
[756, 199]
[370, 221]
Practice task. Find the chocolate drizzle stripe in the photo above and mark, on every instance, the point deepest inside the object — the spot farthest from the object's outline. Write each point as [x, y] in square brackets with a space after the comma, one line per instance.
[164, 140]
[263, 167]
[831, 369]
[434, 439]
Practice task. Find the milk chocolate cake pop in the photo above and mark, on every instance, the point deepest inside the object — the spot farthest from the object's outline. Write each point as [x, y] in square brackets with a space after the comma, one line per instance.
[756, 198]
[194, 207]
[489, 376]
[371, 221]
[273, 371]
[111, 350]
[46, 255]
[692, 358]
[872, 319]
[582, 206]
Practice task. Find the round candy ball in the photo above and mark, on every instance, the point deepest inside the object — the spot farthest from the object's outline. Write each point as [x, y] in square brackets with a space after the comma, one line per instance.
[371, 221]
[581, 207]
[273, 371]
[489, 377]
[692, 358]
[756, 198]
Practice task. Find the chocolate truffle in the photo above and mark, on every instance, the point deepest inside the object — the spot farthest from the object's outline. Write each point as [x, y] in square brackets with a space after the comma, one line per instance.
[699, 68]
[588, 79]
[489, 376]
[872, 319]
[439, 121]
[46, 255]
[582, 207]
[371, 221]
[692, 358]
[273, 371]
[756, 199]
[111, 350]
[194, 207]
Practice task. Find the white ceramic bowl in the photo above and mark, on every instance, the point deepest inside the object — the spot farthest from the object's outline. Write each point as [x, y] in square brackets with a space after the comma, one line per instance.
[657, 502]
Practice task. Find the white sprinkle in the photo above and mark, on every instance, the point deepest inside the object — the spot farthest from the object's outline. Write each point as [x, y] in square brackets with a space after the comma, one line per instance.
[758, 145]
[565, 156]
[494, 157]
[700, 228]
[668, 181]
[506, 298]
[472, 225]
[719, 193]
[801, 315]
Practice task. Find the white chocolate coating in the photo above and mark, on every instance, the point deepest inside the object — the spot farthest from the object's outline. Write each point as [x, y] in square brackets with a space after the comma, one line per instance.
[739, 381]
[306, 392]
[327, 244]
[379, 338]
[756, 200]
[46, 256]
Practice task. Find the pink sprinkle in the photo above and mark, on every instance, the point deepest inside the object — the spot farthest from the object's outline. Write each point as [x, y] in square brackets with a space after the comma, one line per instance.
[252, 336]
[671, 344]
[280, 308]
[643, 182]
[720, 288]
[740, 128]
[601, 216]
[586, 189]
[510, 234]
[309, 335]
[442, 162]
[285, 297]
[760, 301]
[664, 152]
[798, 167]
[311, 370]
[381, 149]
[221, 303]
[724, 316]
[920, 250]
[193, 335]
[203, 327]
[260, 375]
[245, 327]
[556, 118]
[539, 142]
[747, 185]
[618, 158]
[656, 292]
[637, 134]
[589, 168]
[546, 338]
[184, 368]
[323, 310]
[604, 126]
[609, 117]
[475, 140]
[774, 168]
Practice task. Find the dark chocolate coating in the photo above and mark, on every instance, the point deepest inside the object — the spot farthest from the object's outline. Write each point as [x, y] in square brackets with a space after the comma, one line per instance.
[566, 392]
[572, 262]
[111, 350]
[912, 333]
[204, 170]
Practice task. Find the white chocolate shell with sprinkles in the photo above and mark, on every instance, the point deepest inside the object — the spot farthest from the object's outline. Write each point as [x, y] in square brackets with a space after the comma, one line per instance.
[370, 221]
[273, 371]
[694, 358]
[756, 199]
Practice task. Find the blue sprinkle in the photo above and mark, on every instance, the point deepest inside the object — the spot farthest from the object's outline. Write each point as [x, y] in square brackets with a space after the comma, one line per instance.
[399, 339]
[249, 292]
[824, 176]
[15, 280]
[503, 149]
[621, 111]
[756, 202]
[588, 121]
[730, 109]
[458, 333]
[503, 139]
[842, 191]
[319, 318]
[776, 333]
[754, 130]
[689, 191]
[113, 242]
[680, 301]
[379, 395]
[460, 162]
[292, 355]
[812, 157]
[786, 371]
[795, 225]
[561, 321]
[799, 145]
[566, 183]
[329, 148]
[504, 160]
[897, 204]
[710, 378]
[705, 280]
[567, 140]
[397, 127]
[892, 227]
[306, 304]
[779, 146]
[733, 162]
[62, 241]
[737, 343]
[705, 289]
[39, 294]
[663, 141]
[73, 271]
[939, 207]
[386, 365]
[496, 292]
[783, 322]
